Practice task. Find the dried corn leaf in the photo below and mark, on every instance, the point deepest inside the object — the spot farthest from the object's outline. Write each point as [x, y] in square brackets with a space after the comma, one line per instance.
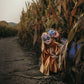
[74, 29]
[79, 55]
[54, 14]
[70, 20]
[80, 2]
[59, 9]
[80, 41]
[64, 5]
[73, 12]
[49, 3]
[74, 1]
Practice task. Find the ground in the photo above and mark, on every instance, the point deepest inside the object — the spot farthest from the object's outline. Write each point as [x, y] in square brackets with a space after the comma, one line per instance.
[20, 66]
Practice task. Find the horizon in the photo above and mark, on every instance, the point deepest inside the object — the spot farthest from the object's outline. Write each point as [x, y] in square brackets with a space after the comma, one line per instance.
[9, 21]
[10, 10]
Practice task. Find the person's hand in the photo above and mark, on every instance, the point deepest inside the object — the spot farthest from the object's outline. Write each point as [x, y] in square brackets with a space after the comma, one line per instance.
[54, 56]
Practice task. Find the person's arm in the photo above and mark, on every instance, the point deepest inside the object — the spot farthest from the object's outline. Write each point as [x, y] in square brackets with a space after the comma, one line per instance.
[54, 56]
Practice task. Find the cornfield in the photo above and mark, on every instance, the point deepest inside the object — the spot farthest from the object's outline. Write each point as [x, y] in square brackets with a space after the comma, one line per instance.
[41, 15]
[66, 16]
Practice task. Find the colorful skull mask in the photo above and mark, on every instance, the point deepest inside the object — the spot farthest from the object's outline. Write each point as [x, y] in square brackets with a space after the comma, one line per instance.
[46, 38]
[53, 33]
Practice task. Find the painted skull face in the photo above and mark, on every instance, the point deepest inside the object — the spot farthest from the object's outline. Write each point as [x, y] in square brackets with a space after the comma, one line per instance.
[53, 33]
[46, 38]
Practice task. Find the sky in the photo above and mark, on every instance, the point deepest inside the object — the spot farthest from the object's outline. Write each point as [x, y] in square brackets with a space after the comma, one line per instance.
[10, 10]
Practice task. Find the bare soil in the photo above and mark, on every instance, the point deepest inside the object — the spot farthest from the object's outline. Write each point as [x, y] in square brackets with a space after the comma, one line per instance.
[20, 66]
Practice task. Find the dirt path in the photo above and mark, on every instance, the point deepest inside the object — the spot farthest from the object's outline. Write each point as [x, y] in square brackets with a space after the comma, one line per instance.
[18, 66]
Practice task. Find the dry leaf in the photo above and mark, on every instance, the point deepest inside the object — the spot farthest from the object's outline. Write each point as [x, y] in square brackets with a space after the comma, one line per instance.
[59, 8]
[64, 5]
[54, 14]
[73, 12]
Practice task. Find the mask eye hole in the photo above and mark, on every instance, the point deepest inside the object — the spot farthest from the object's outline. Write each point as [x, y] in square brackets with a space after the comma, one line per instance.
[48, 38]
[44, 39]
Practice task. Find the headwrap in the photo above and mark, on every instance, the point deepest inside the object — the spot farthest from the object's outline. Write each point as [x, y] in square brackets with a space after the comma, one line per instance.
[52, 32]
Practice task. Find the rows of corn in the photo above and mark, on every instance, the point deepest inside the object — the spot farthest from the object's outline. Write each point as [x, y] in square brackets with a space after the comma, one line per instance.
[65, 16]
[41, 15]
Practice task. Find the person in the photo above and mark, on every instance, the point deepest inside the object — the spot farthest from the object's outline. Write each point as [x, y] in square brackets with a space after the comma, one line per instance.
[72, 51]
[62, 45]
[50, 55]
